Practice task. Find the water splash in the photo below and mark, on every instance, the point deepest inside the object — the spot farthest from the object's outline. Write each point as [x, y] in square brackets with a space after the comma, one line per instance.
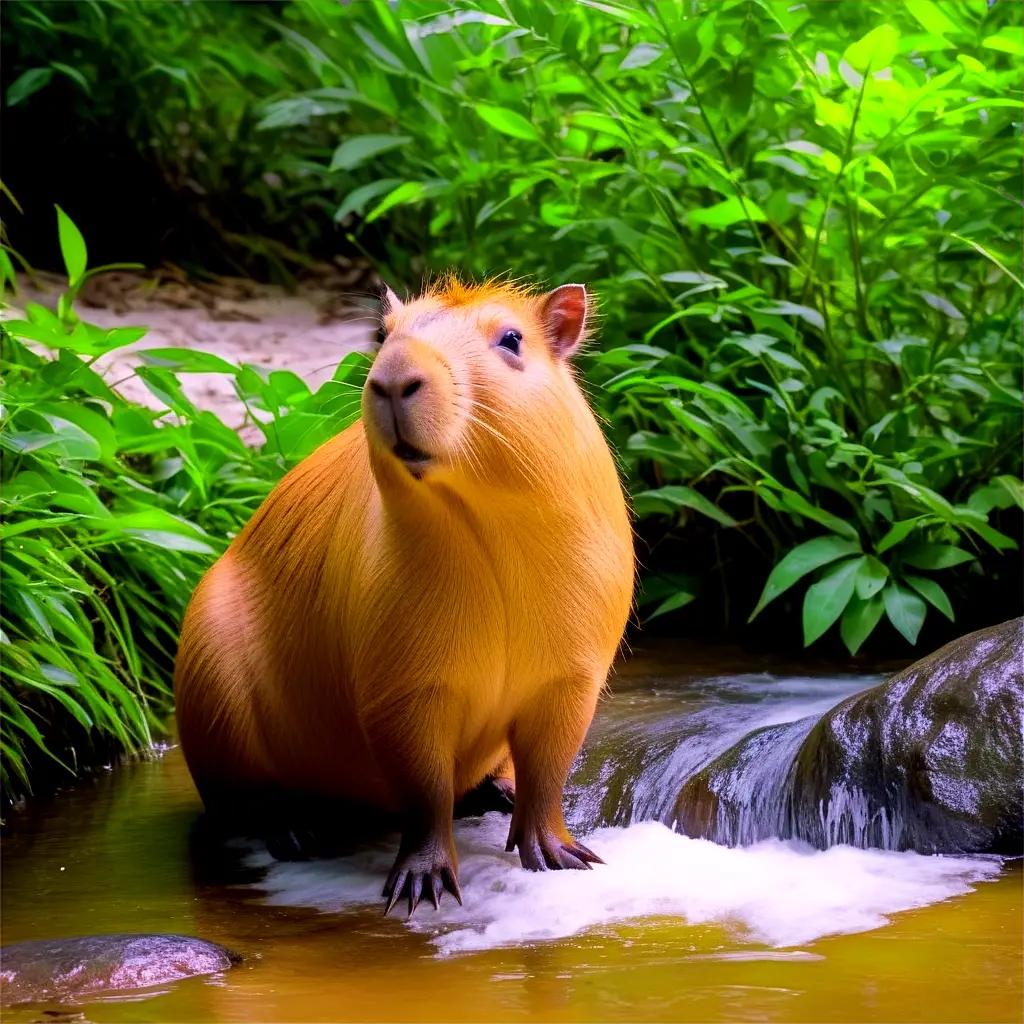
[774, 893]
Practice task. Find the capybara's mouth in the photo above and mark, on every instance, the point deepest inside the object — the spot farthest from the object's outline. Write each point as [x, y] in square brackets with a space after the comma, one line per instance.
[415, 459]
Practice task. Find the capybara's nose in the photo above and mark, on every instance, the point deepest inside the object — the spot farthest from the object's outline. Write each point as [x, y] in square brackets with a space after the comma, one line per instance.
[395, 389]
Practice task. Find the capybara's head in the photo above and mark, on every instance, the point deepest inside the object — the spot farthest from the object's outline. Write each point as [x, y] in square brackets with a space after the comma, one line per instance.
[472, 384]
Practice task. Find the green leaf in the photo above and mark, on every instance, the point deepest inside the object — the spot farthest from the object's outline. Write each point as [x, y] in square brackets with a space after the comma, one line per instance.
[87, 419]
[508, 122]
[932, 593]
[157, 527]
[374, 46]
[598, 122]
[998, 540]
[899, 532]
[26, 84]
[871, 577]
[804, 558]
[406, 193]
[875, 51]
[84, 339]
[358, 199]
[943, 305]
[669, 498]
[825, 600]
[989, 255]
[74, 74]
[186, 360]
[931, 17]
[670, 604]
[355, 151]
[64, 439]
[859, 621]
[812, 316]
[640, 56]
[1003, 491]
[797, 503]
[726, 213]
[1007, 40]
[172, 541]
[72, 247]
[906, 611]
[935, 556]
[695, 277]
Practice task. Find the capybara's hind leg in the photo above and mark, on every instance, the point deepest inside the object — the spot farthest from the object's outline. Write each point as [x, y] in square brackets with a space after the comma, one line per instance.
[497, 792]
[305, 828]
[503, 782]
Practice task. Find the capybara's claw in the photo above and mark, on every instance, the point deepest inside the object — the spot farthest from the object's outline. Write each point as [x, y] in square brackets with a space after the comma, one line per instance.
[543, 851]
[582, 852]
[417, 874]
[451, 882]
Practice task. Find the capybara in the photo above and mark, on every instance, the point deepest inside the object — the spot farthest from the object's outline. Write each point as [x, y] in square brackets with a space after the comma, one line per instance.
[433, 597]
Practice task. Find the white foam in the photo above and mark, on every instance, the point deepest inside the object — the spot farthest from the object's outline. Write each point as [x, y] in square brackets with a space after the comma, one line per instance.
[775, 893]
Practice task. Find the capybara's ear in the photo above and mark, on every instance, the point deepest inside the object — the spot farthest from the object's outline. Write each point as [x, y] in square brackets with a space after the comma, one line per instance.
[564, 313]
[392, 303]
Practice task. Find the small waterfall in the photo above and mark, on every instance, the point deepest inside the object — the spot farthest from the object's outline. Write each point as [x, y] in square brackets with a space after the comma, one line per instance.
[930, 761]
[714, 758]
[745, 795]
[848, 817]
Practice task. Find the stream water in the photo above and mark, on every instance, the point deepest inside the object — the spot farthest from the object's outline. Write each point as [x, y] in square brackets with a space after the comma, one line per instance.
[671, 928]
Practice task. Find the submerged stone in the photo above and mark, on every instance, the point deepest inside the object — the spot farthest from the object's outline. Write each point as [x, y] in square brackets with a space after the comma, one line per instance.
[929, 761]
[67, 970]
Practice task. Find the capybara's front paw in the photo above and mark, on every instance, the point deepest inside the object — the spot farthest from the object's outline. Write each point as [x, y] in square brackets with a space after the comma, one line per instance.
[541, 849]
[427, 871]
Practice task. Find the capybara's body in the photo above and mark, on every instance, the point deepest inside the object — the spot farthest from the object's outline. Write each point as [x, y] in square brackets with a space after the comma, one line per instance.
[439, 589]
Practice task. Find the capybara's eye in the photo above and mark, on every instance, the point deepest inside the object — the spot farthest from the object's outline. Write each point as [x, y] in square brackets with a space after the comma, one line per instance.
[511, 340]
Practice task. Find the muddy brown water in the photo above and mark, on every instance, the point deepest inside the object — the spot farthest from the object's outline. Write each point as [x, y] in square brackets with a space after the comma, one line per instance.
[674, 929]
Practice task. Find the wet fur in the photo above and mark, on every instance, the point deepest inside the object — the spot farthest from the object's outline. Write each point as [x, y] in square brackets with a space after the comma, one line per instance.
[375, 637]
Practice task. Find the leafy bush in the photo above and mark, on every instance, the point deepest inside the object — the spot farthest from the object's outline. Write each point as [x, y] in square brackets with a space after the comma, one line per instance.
[802, 219]
[111, 511]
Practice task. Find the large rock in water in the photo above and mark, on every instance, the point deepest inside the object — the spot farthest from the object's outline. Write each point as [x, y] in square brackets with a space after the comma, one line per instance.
[929, 761]
[59, 970]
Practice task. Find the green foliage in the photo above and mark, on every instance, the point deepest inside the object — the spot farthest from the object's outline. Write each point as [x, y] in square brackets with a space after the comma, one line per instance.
[802, 219]
[111, 511]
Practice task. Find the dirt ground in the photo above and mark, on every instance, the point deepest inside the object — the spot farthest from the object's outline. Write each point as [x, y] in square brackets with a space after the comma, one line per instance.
[308, 330]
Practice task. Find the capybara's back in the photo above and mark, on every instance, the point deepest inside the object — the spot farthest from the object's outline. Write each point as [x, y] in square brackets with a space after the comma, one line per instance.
[433, 597]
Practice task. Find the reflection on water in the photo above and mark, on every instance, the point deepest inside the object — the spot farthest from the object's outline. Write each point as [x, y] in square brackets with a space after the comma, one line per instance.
[670, 929]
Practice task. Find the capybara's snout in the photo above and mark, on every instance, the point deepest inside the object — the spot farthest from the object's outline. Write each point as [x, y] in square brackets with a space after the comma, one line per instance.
[409, 401]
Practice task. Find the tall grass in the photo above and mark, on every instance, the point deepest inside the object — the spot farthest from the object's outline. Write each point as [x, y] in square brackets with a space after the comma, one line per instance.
[111, 510]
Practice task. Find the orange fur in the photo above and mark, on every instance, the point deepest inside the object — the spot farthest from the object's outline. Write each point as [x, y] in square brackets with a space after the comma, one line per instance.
[391, 631]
